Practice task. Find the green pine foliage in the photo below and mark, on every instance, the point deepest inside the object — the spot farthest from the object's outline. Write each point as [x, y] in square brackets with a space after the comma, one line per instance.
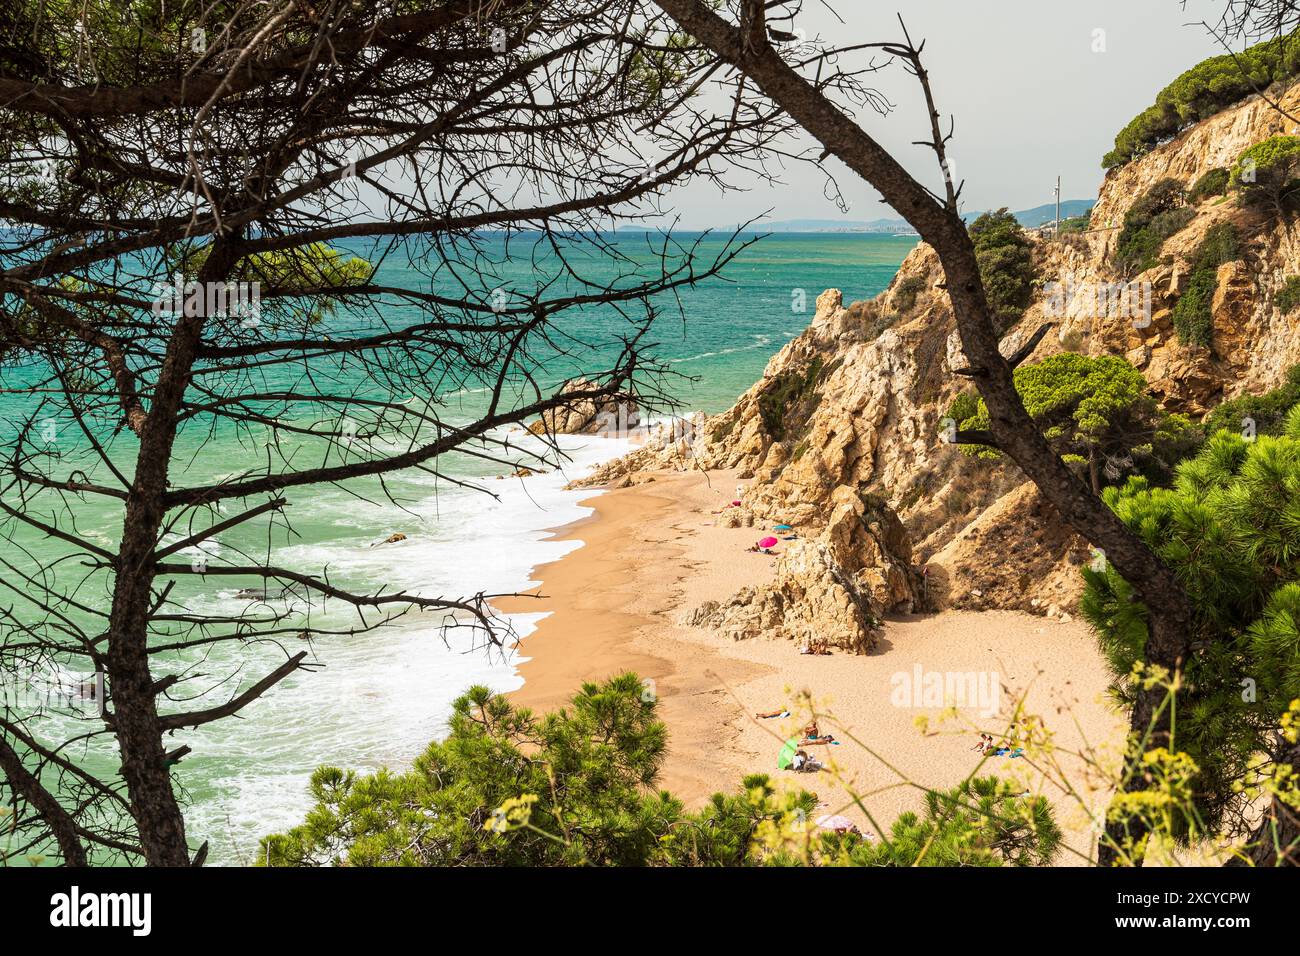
[1096, 412]
[982, 822]
[1204, 90]
[577, 788]
[1266, 174]
[1230, 529]
[1006, 266]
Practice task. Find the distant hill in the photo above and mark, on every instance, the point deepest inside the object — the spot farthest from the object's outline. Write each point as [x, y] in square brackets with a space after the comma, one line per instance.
[1029, 218]
[1047, 212]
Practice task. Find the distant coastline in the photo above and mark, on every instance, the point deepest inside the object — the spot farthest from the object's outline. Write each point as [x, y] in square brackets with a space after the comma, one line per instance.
[1029, 218]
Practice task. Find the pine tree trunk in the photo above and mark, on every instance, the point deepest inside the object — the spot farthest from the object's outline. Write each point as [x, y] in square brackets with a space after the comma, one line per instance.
[1170, 609]
[134, 717]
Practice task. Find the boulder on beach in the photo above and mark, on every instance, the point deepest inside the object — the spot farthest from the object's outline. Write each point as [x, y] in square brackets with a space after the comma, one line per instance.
[587, 416]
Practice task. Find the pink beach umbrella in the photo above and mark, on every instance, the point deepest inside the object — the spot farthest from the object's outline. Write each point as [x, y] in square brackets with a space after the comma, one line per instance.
[767, 542]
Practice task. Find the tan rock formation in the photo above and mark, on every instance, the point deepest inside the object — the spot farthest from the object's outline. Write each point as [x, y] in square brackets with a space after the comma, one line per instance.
[587, 416]
[855, 401]
[834, 588]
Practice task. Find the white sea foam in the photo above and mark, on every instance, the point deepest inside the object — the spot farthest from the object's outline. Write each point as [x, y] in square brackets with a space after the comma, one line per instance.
[380, 697]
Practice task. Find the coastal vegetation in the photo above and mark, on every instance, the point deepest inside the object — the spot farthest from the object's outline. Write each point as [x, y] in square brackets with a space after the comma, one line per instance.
[1230, 526]
[1288, 296]
[1096, 413]
[1005, 264]
[1263, 414]
[1209, 185]
[1155, 216]
[1210, 86]
[577, 787]
[1268, 174]
[783, 406]
[1075, 224]
[907, 291]
[1193, 320]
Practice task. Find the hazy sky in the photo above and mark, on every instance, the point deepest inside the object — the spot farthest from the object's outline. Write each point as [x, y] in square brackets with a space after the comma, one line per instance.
[1030, 97]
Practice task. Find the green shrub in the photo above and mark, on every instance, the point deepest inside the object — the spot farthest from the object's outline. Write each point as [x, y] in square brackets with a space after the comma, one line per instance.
[784, 394]
[1202, 91]
[1220, 244]
[907, 291]
[1267, 411]
[1288, 297]
[1212, 183]
[1193, 318]
[964, 406]
[1005, 263]
[1075, 224]
[1154, 216]
[1171, 221]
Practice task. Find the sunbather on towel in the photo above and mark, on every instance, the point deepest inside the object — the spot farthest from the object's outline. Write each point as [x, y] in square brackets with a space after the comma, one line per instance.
[775, 713]
[813, 736]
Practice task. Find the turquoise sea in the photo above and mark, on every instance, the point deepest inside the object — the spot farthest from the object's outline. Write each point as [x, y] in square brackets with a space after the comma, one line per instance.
[377, 699]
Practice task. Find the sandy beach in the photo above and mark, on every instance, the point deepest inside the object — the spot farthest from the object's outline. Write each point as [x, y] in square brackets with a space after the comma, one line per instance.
[653, 552]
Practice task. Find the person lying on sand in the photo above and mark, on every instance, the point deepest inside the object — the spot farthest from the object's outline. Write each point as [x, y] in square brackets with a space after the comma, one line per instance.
[776, 713]
[755, 548]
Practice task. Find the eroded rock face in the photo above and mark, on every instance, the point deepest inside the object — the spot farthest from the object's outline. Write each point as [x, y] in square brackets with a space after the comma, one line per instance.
[834, 588]
[882, 377]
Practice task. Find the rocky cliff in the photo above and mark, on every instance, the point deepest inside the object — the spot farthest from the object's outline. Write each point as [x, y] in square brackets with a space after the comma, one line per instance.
[850, 409]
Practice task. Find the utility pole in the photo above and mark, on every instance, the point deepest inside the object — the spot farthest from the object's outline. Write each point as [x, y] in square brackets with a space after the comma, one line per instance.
[1056, 231]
